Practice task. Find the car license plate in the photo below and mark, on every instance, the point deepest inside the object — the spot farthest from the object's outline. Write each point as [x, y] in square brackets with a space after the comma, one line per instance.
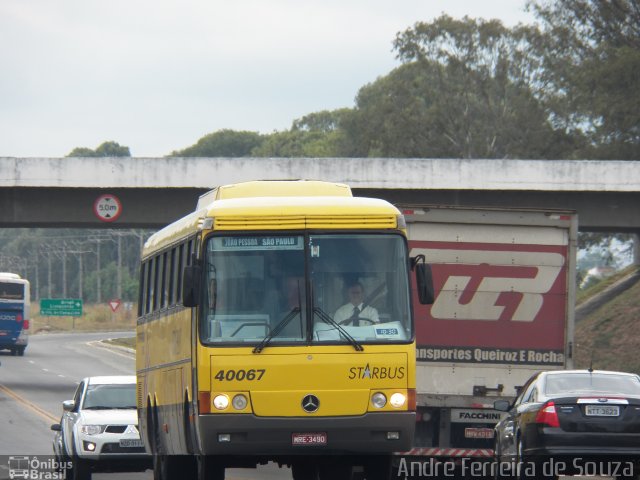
[318, 438]
[602, 410]
[131, 442]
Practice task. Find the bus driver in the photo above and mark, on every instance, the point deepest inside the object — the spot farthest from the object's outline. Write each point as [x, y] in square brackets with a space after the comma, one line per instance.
[355, 311]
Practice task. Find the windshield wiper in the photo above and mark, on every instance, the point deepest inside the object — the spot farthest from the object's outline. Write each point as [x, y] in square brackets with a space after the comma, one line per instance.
[330, 321]
[278, 328]
[99, 407]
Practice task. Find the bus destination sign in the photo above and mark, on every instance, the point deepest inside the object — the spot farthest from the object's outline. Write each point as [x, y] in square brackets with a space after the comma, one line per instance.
[257, 243]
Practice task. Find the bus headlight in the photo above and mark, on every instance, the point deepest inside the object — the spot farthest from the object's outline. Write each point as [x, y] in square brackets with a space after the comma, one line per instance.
[398, 400]
[239, 402]
[378, 400]
[221, 402]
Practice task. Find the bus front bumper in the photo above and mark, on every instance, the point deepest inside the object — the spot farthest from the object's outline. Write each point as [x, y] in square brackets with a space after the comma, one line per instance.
[232, 434]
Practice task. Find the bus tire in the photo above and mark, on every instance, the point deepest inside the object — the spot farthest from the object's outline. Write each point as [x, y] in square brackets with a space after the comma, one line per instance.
[209, 468]
[335, 468]
[304, 470]
[165, 466]
[188, 427]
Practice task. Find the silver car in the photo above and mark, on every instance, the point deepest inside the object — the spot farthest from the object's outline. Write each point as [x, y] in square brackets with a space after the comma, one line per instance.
[98, 431]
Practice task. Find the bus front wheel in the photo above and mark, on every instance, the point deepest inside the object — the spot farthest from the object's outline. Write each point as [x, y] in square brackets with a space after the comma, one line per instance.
[209, 468]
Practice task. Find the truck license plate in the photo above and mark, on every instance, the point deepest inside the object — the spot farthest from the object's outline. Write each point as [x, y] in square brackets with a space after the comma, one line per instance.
[318, 438]
[478, 433]
[602, 410]
[131, 442]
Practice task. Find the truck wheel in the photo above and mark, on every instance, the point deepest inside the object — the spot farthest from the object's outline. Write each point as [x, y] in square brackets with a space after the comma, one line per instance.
[21, 351]
[378, 468]
[14, 352]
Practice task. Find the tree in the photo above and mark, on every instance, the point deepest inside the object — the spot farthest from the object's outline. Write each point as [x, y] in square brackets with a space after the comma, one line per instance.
[465, 91]
[591, 60]
[325, 121]
[106, 149]
[317, 134]
[223, 143]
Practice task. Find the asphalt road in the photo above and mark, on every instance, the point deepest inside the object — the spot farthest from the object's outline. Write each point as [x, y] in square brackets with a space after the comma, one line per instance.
[33, 387]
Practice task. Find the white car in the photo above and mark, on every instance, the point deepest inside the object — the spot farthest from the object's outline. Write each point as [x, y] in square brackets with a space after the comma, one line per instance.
[98, 431]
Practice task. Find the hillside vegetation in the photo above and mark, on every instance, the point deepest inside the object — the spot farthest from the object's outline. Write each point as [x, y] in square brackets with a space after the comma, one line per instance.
[609, 337]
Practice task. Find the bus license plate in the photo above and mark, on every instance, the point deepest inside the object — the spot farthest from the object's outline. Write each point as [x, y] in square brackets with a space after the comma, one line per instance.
[131, 443]
[318, 438]
[602, 410]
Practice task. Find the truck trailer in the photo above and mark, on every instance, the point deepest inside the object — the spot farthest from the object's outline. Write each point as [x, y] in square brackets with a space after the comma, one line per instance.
[504, 282]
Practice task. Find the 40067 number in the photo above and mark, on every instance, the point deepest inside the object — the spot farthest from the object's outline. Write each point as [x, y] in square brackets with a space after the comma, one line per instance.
[239, 375]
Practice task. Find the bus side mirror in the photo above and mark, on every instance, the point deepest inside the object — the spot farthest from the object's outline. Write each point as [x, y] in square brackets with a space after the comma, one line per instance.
[424, 282]
[191, 281]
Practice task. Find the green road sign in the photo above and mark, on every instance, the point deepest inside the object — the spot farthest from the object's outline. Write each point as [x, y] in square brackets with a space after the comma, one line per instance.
[61, 307]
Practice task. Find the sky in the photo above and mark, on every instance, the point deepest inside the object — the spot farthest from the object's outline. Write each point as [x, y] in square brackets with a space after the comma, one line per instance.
[156, 76]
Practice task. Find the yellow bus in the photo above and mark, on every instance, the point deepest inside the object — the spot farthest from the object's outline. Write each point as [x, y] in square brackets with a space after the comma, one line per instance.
[275, 324]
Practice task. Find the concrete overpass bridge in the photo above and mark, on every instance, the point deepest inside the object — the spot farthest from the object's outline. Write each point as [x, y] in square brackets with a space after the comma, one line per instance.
[152, 192]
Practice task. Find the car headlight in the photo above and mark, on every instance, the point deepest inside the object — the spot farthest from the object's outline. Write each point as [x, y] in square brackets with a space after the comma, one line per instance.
[92, 429]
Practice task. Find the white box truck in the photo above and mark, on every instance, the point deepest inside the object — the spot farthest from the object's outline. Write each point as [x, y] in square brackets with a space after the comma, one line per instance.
[504, 309]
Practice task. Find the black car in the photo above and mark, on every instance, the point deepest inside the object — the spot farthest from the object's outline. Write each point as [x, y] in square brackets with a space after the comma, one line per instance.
[571, 422]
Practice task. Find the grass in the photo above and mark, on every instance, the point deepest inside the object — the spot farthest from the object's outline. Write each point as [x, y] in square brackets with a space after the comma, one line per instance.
[609, 338]
[95, 318]
[584, 295]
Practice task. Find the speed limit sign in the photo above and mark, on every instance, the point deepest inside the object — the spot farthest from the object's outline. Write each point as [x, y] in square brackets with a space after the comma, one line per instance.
[107, 207]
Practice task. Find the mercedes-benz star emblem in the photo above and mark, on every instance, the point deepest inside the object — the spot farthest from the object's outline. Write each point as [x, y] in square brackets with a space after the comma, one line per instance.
[310, 403]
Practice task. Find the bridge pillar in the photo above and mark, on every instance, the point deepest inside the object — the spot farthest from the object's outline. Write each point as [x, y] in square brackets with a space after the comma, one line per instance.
[636, 248]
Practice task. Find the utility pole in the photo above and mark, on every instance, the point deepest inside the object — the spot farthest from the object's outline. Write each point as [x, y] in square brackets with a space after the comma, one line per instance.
[119, 285]
[49, 273]
[98, 273]
[37, 282]
[80, 253]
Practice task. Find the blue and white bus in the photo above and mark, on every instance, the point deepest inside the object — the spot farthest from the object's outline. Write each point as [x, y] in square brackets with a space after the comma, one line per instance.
[15, 310]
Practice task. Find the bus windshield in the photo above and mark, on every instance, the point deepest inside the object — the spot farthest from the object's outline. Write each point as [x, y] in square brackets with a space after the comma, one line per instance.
[313, 288]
